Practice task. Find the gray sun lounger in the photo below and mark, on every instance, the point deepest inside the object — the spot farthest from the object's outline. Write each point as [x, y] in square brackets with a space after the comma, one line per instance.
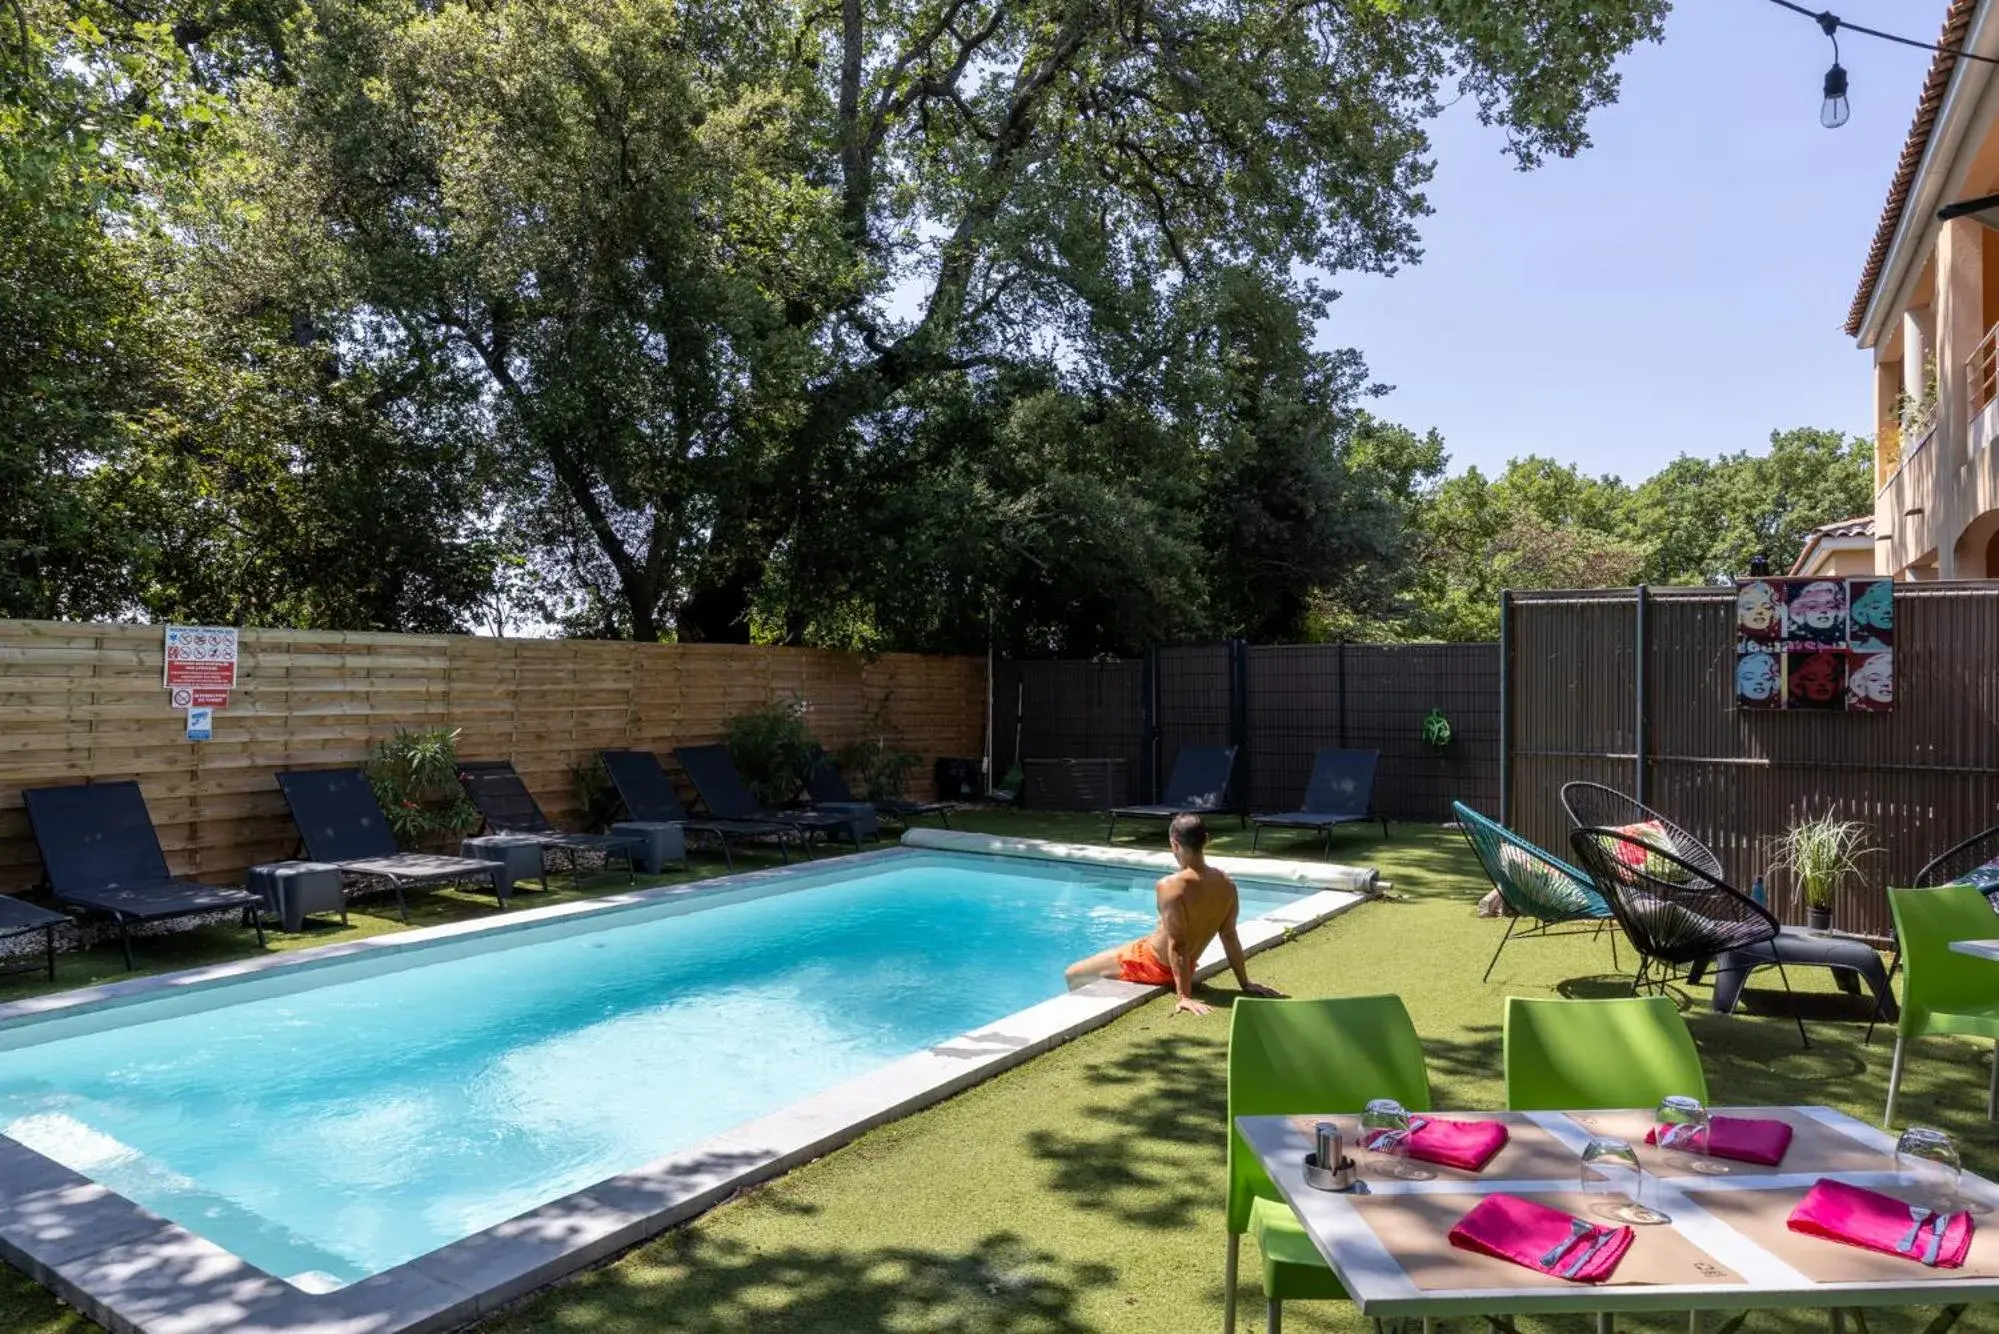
[508, 807]
[1199, 785]
[340, 822]
[1341, 791]
[827, 787]
[103, 856]
[649, 798]
[712, 770]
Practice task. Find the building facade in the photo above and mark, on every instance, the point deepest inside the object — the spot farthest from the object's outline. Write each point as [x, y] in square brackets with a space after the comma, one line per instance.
[1928, 309]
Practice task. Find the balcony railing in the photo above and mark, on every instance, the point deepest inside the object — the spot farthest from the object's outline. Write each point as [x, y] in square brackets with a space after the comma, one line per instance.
[1981, 371]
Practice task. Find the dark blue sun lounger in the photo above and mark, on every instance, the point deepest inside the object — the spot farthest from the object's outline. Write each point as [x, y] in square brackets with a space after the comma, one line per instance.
[1199, 785]
[1341, 791]
[508, 807]
[102, 855]
[339, 821]
[712, 770]
[650, 799]
[827, 787]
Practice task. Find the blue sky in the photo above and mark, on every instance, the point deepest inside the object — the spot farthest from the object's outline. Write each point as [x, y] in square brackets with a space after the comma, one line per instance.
[1680, 286]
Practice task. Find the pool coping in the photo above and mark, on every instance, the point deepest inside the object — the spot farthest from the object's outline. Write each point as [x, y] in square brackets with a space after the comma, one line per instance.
[137, 1273]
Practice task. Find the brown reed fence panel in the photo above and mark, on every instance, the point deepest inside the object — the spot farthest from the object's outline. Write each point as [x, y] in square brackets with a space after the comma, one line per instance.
[1922, 777]
[1290, 700]
[84, 701]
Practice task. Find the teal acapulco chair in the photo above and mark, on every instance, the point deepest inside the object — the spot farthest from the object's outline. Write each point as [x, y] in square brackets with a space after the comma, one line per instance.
[1943, 991]
[1300, 1057]
[1575, 1055]
[1541, 891]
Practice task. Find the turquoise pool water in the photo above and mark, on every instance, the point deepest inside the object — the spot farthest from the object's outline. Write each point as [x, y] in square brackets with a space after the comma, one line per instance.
[333, 1132]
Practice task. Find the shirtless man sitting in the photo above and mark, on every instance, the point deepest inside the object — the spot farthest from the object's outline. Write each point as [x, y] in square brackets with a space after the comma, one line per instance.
[1197, 904]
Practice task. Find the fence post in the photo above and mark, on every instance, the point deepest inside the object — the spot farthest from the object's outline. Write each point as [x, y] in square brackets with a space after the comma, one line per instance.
[1148, 723]
[1638, 656]
[1239, 717]
[1505, 707]
[1343, 695]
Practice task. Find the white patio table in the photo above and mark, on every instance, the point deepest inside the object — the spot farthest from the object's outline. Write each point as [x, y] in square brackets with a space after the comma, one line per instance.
[1725, 1248]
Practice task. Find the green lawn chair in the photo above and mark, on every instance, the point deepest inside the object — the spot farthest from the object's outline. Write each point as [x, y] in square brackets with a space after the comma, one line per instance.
[1572, 1055]
[1541, 890]
[1290, 1057]
[1943, 992]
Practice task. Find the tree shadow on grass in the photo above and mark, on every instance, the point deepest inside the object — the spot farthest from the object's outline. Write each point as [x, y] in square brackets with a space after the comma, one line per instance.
[1150, 1152]
[695, 1281]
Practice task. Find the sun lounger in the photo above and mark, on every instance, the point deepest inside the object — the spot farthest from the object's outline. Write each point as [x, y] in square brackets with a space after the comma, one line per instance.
[712, 770]
[1340, 791]
[340, 822]
[1199, 785]
[103, 856]
[21, 919]
[509, 808]
[827, 787]
[650, 799]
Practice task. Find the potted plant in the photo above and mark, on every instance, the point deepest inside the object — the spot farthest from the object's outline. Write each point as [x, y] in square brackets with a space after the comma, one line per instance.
[1822, 853]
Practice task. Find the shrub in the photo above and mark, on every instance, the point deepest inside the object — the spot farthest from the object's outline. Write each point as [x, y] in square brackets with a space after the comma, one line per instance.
[415, 777]
[877, 767]
[772, 748]
[597, 800]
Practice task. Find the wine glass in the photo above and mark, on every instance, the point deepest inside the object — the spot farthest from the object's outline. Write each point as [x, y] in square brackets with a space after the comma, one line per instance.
[1683, 1129]
[1384, 1133]
[1926, 1159]
[1609, 1163]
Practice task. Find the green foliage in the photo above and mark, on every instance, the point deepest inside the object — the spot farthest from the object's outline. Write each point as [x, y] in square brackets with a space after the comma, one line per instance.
[596, 795]
[1703, 521]
[415, 777]
[877, 766]
[1822, 853]
[773, 748]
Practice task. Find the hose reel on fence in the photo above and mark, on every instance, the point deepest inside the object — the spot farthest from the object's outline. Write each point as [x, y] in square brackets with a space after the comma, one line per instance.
[1436, 730]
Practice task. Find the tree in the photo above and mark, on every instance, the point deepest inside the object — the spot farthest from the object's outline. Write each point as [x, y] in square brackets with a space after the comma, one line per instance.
[1703, 521]
[1540, 524]
[701, 257]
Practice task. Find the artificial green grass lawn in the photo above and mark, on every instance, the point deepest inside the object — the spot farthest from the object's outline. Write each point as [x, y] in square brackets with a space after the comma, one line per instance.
[1083, 1190]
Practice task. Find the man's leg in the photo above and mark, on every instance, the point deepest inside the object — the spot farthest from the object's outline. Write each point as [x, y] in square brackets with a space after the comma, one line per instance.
[1096, 966]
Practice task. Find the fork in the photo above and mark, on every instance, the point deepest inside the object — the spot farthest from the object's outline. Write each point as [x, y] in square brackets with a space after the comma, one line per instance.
[1588, 1253]
[1917, 1216]
[1577, 1227]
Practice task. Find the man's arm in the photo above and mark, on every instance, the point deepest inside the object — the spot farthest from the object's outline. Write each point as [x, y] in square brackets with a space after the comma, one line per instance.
[1232, 946]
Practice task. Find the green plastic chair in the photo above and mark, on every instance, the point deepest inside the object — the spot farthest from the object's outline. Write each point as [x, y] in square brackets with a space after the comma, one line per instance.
[1288, 1057]
[1943, 992]
[1571, 1055]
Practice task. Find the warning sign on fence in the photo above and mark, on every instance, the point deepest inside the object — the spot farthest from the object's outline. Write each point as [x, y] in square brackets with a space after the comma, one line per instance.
[200, 724]
[199, 697]
[201, 655]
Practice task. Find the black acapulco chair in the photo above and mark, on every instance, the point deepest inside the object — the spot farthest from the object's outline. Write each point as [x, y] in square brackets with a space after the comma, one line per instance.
[1594, 806]
[1676, 915]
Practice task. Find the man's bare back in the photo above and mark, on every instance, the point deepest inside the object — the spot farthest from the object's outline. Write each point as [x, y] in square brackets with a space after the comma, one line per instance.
[1197, 904]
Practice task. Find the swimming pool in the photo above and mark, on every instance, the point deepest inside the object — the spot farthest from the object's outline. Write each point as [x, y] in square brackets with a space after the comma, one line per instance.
[367, 1112]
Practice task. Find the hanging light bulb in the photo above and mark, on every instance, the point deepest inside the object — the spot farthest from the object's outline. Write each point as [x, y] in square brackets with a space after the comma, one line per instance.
[1833, 111]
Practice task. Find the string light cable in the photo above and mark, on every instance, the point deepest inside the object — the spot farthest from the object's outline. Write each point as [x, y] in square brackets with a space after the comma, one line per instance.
[1833, 111]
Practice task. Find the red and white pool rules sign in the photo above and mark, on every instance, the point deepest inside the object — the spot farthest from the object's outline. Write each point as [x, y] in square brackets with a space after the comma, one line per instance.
[201, 656]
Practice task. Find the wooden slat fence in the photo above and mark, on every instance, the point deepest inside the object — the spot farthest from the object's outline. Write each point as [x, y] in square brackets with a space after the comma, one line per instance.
[84, 701]
[1922, 777]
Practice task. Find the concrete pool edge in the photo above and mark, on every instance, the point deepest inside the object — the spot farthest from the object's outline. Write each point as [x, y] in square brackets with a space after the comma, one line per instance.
[131, 1270]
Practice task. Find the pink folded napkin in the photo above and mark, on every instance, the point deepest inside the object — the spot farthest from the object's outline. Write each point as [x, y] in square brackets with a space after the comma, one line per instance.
[1466, 1145]
[1528, 1234]
[1746, 1139]
[1839, 1212]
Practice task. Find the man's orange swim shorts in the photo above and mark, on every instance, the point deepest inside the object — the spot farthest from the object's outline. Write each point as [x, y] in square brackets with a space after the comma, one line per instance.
[1137, 963]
